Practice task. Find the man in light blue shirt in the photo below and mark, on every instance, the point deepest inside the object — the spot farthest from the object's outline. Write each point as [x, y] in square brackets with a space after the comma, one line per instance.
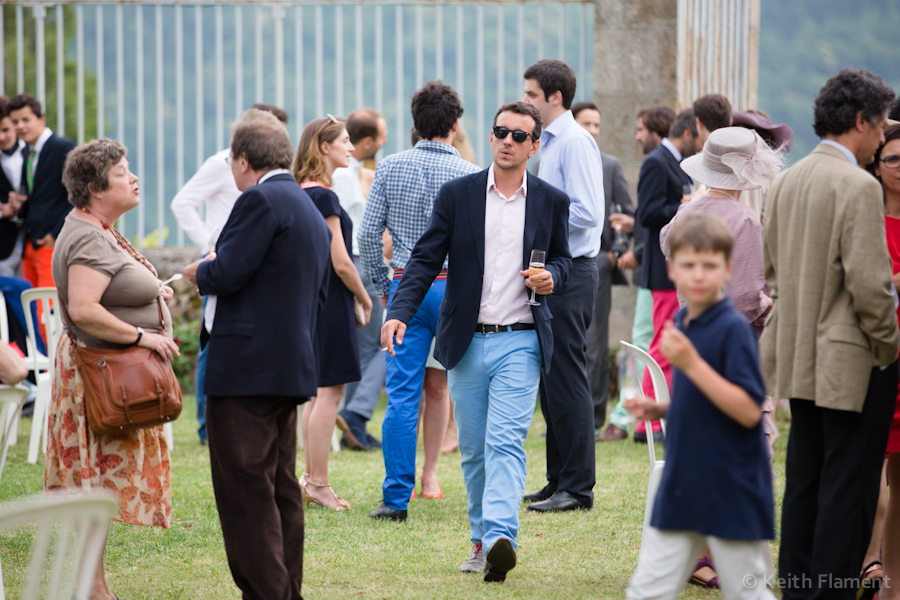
[570, 161]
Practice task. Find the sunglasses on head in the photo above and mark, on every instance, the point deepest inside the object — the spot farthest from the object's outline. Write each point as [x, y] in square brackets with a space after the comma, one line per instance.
[518, 135]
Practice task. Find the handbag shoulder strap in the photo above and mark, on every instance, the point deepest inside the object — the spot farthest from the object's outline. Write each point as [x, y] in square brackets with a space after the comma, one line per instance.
[71, 334]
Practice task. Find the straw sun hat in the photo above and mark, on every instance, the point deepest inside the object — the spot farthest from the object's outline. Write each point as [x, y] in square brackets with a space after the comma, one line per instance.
[734, 158]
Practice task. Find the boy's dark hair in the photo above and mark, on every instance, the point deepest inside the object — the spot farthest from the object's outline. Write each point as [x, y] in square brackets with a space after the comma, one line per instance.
[279, 113]
[435, 108]
[580, 106]
[362, 123]
[702, 232]
[713, 110]
[3, 112]
[414, 136]
[658, 119]
[684, 121]
[847, 94]
[523, 108]
[554, 76]
[21, 101]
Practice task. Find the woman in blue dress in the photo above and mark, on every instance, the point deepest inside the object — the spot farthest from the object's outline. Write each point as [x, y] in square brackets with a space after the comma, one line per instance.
[324, 147]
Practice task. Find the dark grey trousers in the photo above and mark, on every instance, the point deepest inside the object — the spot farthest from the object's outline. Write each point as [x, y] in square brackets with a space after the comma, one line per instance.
[565, 393]
[597, 354]
[362, 396]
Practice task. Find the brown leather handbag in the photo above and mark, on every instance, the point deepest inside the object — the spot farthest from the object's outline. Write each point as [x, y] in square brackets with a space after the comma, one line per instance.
[126, 389]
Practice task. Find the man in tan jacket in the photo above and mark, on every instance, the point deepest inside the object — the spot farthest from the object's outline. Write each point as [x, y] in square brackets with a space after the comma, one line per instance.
[831, 343]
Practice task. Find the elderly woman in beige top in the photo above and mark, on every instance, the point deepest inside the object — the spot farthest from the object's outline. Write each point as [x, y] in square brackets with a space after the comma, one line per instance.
[110, 293]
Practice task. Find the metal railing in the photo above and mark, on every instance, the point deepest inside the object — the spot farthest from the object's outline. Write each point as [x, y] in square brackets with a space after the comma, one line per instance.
[169, 76]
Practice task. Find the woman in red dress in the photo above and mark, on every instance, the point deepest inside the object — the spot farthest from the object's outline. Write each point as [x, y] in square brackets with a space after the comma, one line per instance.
[886, 168]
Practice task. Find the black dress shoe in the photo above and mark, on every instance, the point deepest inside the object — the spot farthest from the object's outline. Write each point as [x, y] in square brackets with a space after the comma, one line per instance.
[542, 494]
[559, 502]
[386, 512]
[501, 559]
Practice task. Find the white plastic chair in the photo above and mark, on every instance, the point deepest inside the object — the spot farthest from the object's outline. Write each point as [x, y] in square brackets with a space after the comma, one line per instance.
[41, 364]
[12, 436]
[12, 398]
[661, 391]
[90, 514]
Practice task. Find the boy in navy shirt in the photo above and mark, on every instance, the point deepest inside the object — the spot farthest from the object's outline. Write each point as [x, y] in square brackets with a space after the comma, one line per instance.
[716, 487]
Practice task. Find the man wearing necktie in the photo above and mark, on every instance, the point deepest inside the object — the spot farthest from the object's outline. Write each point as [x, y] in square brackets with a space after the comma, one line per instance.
[12, 161]
[46, 200]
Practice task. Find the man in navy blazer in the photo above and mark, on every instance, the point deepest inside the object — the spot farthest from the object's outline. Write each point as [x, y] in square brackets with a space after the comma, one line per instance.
[491, 341]
[47, 201]
[267, 285]
[660, 190]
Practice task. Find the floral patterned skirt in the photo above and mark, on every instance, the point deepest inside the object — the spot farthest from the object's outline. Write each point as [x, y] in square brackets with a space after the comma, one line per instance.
[134, 466]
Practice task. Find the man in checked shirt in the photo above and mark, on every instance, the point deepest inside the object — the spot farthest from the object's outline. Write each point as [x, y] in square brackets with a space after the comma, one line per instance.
[401, 199]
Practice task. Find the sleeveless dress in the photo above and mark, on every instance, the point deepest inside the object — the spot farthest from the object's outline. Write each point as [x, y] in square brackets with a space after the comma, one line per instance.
[336, 343]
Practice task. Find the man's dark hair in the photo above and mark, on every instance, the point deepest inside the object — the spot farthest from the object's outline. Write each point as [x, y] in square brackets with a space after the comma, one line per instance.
[435, 108]
[845, 95]
[713, 110]
[279, 113]
[683, 122]
[895, 111]
[23, 100]
[362, 123]
[554, 76]
[523, 108]
[577, 108]
[658, 119]
[3, 112]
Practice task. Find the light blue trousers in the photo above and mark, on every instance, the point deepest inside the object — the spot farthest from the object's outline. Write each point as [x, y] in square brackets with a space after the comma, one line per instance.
[494, 389]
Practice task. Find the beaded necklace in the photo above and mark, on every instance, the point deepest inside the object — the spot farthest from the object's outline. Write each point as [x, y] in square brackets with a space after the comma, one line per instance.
[123, 243]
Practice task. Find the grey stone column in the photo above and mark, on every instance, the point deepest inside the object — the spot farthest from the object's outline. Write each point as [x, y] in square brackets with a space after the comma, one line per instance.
[635, 50]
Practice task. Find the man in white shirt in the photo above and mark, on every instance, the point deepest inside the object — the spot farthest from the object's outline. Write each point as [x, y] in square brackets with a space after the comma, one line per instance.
[12, 160]
[213, 187]
[368, 133]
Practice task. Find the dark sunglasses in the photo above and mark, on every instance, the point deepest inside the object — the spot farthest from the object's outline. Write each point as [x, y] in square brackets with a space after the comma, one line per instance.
[518, 135]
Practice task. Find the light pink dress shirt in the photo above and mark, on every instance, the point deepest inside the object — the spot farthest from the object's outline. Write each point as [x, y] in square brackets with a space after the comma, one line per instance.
[503, 290]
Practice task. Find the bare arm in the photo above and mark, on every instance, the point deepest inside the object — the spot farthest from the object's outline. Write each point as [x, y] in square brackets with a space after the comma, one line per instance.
[86, 287]
[731, 399]
[344, 267]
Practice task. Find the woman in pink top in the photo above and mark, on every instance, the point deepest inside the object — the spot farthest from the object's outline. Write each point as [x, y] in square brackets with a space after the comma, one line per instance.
[733, 160]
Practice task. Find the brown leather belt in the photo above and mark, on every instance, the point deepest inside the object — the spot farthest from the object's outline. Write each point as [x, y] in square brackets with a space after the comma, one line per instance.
[485, 328]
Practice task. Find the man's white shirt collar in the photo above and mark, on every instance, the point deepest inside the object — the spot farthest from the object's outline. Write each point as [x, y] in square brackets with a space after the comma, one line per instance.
[271, 174]
[850, 156]
[491, 183]
[671, 148]
[39, 145]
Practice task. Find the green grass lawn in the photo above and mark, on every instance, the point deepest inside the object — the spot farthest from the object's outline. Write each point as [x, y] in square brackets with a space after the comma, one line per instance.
[582, 554]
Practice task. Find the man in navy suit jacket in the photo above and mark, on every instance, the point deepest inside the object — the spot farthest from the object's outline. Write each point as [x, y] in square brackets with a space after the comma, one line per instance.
[47, 199]
[660, 190]
[491, 341]
[267, 284]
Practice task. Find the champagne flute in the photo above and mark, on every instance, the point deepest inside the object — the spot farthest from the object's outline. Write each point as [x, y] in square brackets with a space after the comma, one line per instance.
[535, 266]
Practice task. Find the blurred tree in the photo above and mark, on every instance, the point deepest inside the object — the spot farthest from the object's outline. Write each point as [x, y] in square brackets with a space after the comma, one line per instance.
[70, 92]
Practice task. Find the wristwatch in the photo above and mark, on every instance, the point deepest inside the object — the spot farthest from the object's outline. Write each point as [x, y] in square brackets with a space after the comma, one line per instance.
[140, 335]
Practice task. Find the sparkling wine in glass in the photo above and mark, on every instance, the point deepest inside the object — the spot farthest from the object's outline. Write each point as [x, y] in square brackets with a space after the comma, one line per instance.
[535, 266]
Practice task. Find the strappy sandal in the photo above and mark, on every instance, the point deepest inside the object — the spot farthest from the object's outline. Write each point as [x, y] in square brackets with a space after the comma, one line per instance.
[869, 586]
[712, 583]
[308, 498]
